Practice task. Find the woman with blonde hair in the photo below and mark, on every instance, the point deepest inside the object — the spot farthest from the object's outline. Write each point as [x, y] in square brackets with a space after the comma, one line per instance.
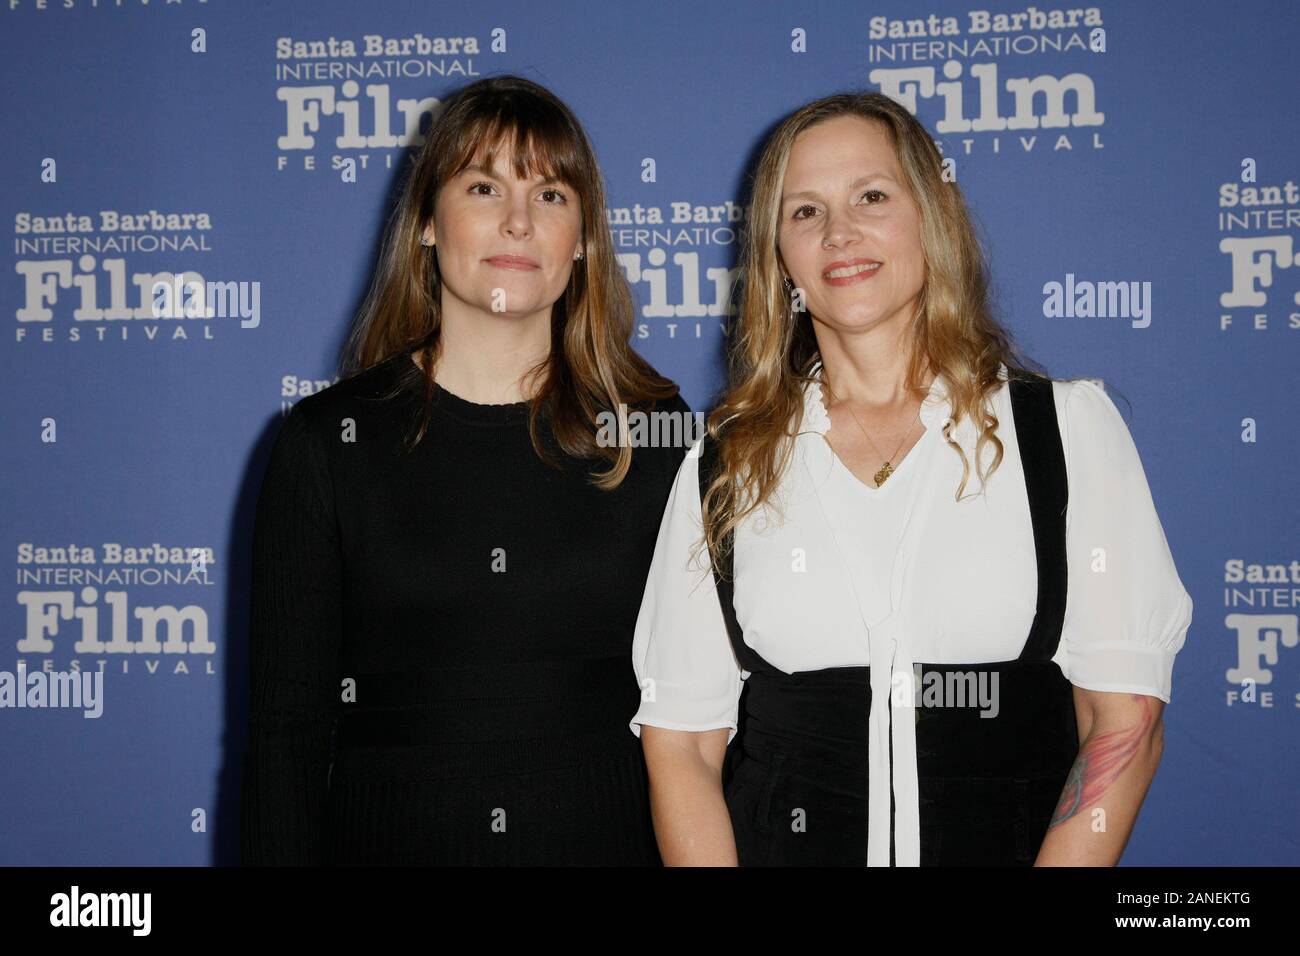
[915, 671]
[451, 543]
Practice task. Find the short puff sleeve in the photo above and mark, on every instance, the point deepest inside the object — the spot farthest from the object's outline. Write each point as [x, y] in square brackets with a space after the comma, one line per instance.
[687, 671]
[1127, 612]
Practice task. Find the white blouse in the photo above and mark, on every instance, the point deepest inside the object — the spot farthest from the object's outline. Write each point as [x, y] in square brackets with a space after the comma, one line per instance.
[858, 576]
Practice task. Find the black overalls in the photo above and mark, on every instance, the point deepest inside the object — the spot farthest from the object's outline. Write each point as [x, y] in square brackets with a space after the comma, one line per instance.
[796, 773]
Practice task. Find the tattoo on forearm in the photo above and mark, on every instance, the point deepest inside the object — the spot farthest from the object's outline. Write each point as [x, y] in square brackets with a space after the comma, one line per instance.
[1101, 761]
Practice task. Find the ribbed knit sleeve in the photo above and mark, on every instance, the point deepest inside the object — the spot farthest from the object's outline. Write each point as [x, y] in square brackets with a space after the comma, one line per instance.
[295, 637]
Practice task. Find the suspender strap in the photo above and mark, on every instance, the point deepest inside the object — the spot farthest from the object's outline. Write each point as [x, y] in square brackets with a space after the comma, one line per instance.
[1043, 459]
[723, 574]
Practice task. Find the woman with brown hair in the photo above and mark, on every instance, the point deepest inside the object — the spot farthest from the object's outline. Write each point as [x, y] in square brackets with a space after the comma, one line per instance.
[914, 673]
[448, 552]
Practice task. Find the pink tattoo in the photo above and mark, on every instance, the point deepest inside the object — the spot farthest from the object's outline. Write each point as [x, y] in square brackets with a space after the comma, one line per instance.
[1101, 761]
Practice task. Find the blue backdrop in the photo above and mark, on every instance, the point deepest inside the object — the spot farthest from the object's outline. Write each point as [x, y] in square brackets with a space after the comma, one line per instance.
[1144, 143]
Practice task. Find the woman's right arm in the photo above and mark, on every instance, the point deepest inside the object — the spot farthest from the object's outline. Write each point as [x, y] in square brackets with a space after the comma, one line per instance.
[691, 820]
[690, 688]
[296, 623]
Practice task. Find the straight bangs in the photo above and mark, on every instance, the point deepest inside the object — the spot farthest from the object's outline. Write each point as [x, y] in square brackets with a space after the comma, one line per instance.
[534, 145]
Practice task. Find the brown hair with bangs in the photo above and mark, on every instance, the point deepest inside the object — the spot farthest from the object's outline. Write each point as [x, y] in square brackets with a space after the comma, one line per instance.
[591, 366]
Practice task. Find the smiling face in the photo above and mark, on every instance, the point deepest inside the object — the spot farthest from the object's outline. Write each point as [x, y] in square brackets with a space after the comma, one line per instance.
[505, 245]
[850, 233]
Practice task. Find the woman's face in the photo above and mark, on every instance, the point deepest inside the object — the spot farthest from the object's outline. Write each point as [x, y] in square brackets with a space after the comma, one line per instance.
[844, 206]
[504, 244]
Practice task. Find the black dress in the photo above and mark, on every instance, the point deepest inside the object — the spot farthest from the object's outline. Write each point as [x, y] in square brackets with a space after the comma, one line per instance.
[988, 788]
[459, 620]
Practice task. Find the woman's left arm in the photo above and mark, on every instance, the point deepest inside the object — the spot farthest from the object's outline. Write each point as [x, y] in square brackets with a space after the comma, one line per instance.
[1126, 617]
[1121, 738]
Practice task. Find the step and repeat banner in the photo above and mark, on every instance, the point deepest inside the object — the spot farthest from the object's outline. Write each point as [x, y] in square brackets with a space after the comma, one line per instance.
[1149, 151]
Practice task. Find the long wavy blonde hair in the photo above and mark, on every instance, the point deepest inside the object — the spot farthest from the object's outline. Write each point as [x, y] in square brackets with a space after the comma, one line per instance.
[774, 350]
[591, 367]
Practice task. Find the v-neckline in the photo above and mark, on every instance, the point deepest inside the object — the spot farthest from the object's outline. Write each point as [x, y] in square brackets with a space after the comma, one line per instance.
[863, 487]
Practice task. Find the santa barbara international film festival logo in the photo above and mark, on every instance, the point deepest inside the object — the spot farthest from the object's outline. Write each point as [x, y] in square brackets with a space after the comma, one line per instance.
[1258, 220]
[112, 275]
[88, 608]
[970, 70]
[352, 104]
[1261, 600]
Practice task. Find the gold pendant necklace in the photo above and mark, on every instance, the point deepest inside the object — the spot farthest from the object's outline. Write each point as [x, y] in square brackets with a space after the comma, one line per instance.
[887, 469]
[881, 476]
